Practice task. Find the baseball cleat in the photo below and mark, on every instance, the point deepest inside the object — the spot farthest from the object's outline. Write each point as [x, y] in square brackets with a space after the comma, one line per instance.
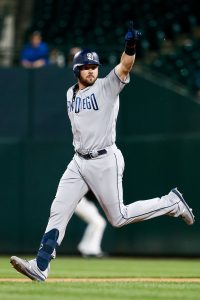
[29, 268]
[185, 212]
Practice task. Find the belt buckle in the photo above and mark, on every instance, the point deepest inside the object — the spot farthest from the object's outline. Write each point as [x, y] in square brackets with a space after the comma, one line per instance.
[93, 154]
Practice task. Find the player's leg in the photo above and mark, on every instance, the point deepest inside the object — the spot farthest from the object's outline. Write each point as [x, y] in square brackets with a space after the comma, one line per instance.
[90, 243]
[108, 190]
[70, 190]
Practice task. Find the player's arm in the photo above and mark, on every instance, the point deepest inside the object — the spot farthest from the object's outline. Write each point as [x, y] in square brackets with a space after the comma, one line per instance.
[125, 66]
[128, 56]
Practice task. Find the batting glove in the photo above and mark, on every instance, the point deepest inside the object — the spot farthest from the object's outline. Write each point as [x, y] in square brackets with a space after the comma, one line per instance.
[131, 38]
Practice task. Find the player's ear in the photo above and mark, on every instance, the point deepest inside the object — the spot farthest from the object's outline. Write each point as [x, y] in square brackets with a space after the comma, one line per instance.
[77, 72]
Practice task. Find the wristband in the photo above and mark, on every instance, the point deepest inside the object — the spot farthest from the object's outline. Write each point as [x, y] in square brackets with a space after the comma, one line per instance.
[130, 49]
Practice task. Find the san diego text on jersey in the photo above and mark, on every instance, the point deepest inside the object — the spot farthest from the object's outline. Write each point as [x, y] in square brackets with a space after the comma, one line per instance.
[79, 104]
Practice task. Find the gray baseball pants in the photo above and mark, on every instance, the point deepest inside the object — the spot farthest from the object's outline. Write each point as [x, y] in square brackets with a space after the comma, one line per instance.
[103, 175]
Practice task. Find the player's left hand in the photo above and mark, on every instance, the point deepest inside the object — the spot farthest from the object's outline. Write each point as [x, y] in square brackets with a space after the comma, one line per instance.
[132, 35]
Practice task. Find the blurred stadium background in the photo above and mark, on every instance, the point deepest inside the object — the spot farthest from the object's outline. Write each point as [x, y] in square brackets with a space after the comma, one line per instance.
[158, 126]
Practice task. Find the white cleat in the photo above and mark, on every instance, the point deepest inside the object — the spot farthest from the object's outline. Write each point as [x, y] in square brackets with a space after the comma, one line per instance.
[29, 268]
[184, 211]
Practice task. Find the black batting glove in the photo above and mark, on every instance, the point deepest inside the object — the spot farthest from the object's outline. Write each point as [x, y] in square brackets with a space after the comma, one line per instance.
[131, 38]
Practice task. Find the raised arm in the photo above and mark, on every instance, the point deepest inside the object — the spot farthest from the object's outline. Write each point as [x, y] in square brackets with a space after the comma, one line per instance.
[128, 56]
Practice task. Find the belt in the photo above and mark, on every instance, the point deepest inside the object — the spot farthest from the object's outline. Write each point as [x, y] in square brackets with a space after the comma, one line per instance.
[92, 154]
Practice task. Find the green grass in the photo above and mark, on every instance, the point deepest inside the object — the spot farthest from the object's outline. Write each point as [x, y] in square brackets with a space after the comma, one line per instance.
[99, 291]
[106, 268]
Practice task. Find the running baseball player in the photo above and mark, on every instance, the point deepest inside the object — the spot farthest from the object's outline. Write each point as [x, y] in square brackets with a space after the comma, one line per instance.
[90, 244]
[97, 164]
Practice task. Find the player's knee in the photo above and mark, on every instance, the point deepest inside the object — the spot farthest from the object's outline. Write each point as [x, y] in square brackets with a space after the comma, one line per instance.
[57, 209]
[102, 223]
[99, 224]
[117, 223]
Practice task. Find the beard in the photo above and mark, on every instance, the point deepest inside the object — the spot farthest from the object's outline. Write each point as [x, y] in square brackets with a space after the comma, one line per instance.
[88, 80]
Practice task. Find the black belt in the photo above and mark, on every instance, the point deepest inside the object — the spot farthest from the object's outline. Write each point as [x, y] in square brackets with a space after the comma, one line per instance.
[92, 154]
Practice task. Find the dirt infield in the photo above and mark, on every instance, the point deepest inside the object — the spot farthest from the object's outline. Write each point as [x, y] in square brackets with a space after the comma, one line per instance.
[79, 280]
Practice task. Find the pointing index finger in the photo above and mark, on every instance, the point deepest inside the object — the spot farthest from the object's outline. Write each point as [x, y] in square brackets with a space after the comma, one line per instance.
[131, 26]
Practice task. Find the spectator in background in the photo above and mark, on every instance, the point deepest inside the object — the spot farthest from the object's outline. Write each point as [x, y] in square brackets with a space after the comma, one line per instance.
[57, 58]
[71, 54]
[35, 54]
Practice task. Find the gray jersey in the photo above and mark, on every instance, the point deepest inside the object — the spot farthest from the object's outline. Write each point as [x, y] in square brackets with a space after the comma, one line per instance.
[93, 113]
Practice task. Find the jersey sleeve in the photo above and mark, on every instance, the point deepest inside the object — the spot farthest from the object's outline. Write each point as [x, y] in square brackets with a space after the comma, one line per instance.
[113, 85]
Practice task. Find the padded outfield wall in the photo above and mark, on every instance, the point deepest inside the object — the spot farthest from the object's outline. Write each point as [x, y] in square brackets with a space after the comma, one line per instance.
[158, 133]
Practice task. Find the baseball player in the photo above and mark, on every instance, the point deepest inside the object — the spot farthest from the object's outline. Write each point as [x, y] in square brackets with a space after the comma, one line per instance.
[90, 244]
[97, 164]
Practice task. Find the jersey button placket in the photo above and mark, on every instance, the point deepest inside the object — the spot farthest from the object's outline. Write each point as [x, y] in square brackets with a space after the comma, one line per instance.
[76, 121]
